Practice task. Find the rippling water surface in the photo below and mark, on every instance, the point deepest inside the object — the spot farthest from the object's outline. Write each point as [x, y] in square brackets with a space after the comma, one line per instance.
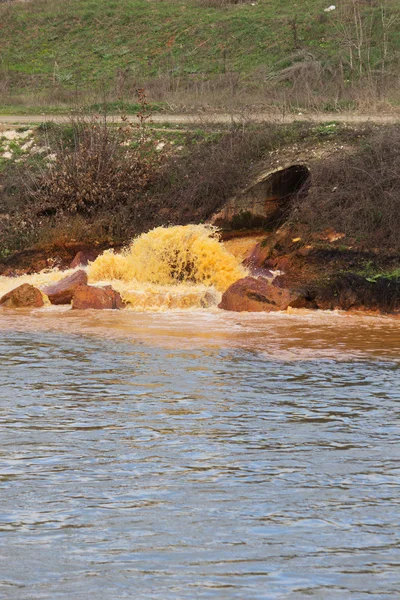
[199, 455]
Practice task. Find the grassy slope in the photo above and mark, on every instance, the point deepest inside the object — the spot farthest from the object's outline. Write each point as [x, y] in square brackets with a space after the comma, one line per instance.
[79, 51]
[91, 40]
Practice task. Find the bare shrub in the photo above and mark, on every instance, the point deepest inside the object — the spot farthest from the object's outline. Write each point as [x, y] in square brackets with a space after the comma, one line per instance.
[358, 193]
[4, 83]
[94, 168]
[302, 66]
[98, 189]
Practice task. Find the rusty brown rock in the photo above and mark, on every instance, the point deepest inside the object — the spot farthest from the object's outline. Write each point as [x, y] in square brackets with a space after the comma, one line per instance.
[24, 296]
[82, 258]
[257, 295]
[63, 291]
[258, 256]
[88, 296]
[284, 263]
[115, 296]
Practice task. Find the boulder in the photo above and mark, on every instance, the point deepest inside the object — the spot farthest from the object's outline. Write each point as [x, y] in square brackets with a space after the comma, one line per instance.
[258, 256]
[24, 296]
[82, 258]
[88, 296]
[257, 295]
[63, 291]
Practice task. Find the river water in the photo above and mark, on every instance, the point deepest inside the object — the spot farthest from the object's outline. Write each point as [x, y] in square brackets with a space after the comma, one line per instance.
[198, 454]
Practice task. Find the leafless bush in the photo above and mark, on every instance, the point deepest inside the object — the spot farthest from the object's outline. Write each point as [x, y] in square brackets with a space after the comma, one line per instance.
[358, 193]
[302, 65]
[4, 83]
[94, 167]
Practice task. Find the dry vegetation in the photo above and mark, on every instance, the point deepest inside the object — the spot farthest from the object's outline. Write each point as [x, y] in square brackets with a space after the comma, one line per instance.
[104, 185]
[196, 184]
[96, 169]
[358, 193]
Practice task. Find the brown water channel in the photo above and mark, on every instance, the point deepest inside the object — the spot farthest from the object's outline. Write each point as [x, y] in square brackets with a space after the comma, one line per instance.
[199, 454]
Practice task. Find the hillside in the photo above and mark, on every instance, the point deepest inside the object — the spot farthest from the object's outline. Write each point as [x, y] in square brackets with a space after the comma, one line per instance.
[200, 52]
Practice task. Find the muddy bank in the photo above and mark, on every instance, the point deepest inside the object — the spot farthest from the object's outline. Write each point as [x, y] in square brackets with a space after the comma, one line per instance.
[329, 272]
[62, 255]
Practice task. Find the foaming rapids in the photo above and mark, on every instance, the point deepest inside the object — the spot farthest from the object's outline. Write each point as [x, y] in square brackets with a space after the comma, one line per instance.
[169, 267]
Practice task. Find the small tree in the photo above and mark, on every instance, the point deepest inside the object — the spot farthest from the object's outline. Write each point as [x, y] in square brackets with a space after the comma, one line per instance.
[364, 32]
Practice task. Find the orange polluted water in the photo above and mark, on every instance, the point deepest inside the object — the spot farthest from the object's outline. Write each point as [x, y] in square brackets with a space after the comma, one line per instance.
[302, 335]
[172, 279]
[197, 450]
[170, 267]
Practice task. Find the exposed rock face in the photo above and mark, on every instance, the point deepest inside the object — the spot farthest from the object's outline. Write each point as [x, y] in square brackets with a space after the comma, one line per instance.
[257, 295]
[88, 296]
[63, 291]
[24, 296]
[275, 251]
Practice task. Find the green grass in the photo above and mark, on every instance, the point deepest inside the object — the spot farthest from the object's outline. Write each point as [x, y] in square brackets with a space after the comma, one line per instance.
[103, 44]
[17, 109]
[88, 40]
[117, 107]
[371, 274]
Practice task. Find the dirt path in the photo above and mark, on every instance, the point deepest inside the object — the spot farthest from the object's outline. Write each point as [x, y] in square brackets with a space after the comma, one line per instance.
[198, 119]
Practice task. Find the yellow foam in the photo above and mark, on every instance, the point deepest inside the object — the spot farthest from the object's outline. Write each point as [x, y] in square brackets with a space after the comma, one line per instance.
[166, 256]
[167, 268]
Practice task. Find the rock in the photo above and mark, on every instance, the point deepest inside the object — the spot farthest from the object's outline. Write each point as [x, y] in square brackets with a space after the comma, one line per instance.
[257, 295]
[261, 272]
[258, 256]
[88, 296]
[82, 258]
[25, 295]
[303, 295]
[282, 281]
[284, 263]
[63, 291]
